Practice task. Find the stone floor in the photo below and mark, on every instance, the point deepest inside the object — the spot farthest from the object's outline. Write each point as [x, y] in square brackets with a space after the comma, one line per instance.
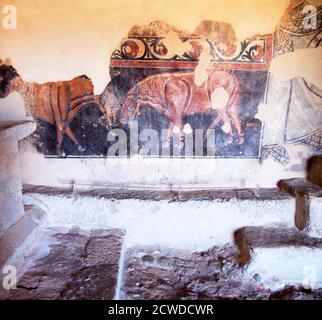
[71, 265]
[209, 275]
[78, 264]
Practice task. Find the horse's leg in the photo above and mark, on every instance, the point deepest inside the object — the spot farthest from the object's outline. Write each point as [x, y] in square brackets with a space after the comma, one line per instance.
[236, 121]
[177, 95]
[166, 142]
[70, 134]
[179, 130]
[230, 132]
[213, 124]
[233, 112]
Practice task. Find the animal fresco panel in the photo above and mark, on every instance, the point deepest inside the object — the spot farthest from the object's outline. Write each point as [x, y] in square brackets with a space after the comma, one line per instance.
[156, 87]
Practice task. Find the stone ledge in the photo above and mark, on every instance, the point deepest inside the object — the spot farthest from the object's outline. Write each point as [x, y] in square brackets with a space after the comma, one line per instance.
[304, 191]
[314, 170]
[248, 238]
[299, 185]
[16, 130]
[170, 195]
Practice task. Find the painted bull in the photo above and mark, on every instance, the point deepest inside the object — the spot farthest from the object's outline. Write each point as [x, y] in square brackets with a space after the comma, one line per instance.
[176, 96]
[56, 103]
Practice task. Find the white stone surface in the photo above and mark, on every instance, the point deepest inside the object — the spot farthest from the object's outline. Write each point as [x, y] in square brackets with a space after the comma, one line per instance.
[195, 225]
[288, 265]
[315, 224]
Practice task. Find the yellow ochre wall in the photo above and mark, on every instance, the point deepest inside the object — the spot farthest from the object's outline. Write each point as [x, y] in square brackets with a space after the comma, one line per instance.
[59, 39]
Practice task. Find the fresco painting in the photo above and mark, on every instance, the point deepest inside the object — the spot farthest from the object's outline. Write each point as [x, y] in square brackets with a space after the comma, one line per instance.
[155, 82]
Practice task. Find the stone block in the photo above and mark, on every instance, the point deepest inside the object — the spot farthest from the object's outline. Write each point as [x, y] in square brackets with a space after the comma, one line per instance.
[304, 192]
[78, 265]
[248, 238]
[314, 170]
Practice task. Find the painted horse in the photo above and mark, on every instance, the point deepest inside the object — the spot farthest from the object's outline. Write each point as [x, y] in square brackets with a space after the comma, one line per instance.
[176, 96]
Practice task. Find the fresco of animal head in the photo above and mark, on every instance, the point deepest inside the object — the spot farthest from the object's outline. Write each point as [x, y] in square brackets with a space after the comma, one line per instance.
[128, 110]
[109, 105]
[7, 76]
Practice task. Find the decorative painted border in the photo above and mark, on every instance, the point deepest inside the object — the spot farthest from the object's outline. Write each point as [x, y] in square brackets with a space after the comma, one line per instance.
[254, 54]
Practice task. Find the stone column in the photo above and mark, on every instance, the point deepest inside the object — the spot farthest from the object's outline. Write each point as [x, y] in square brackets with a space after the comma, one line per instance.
[11, 206]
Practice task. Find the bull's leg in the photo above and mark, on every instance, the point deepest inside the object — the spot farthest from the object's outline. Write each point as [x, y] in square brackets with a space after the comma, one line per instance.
[59, 148]
[72, 137]
[137, 108]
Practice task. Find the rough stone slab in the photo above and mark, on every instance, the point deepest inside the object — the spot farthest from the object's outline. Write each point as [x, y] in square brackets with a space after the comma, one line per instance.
[171, 196]
[176, 274]
[293, 293]
[104, 247]
[78, 265]
[96, 282]
[153, 274]
[299, 185]
[16, 130]
[314, 170]
[49, 274]
[260, 194]
[248, 238]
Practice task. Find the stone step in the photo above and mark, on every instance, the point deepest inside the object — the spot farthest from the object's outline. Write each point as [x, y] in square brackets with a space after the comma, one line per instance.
[171, 194]
[249, 238]
[308, 212]
[314, 170]
[193, 220]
